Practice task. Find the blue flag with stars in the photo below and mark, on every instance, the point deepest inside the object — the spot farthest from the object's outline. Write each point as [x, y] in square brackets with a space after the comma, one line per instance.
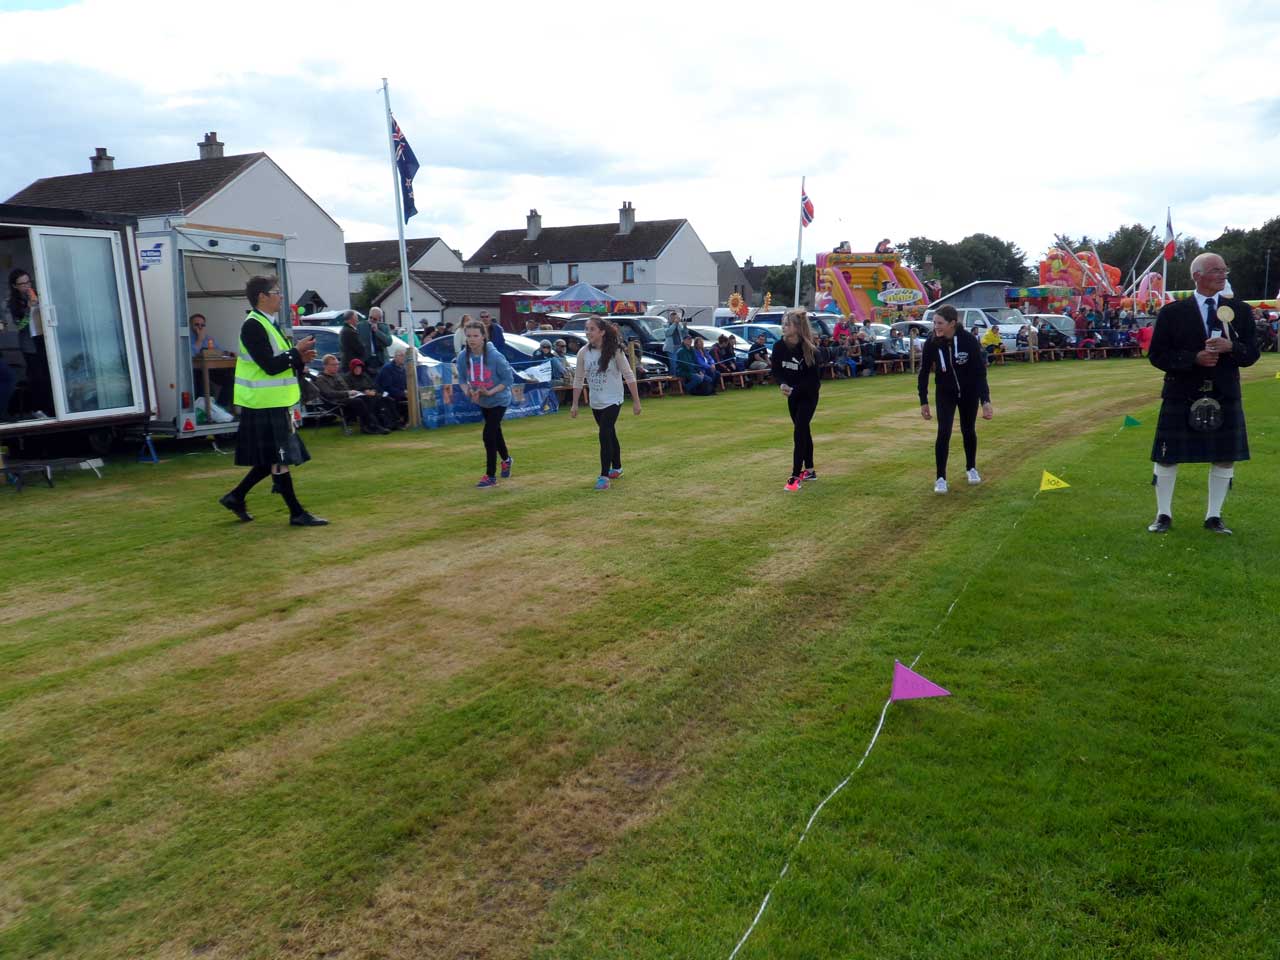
[407, 164]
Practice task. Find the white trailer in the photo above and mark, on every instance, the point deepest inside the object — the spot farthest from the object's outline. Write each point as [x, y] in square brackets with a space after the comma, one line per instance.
[190, 268]
[92, 374]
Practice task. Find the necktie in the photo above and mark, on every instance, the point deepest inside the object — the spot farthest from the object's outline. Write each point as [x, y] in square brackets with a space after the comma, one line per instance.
[1211, 315]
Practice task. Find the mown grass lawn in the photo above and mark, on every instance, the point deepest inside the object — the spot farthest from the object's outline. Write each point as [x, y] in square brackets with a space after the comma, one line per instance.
[543, 721]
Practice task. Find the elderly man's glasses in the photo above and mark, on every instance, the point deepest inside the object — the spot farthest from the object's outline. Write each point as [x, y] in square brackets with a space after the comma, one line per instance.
[1216, 272]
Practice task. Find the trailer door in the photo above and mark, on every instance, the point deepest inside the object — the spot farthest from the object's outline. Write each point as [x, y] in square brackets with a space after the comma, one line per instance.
[89, 322]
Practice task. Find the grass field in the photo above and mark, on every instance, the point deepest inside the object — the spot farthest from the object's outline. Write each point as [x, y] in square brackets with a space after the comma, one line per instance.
[541, 721]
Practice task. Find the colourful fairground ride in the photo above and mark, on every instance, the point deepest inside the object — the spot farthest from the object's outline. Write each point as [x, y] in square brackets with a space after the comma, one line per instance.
[868, 287]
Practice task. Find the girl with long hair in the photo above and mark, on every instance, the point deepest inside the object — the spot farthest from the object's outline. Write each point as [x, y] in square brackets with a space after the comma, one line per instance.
[22, 307]
[796, 371]
[486, 378]
[603, 366]
[960, 383]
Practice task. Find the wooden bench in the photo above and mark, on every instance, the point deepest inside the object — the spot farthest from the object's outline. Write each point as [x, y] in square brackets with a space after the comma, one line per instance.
[660, 383]
[743, 378]
[891, 365]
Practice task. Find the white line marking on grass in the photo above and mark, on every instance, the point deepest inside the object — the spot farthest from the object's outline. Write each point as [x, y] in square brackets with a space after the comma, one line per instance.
[874, 737]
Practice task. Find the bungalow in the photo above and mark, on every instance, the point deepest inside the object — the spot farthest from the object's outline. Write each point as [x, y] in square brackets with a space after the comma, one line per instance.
[246, 192]
[651, 260]
[383, 256]
[446, 295]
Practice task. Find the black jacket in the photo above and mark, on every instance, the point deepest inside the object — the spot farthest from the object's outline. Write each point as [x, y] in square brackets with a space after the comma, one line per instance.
[1179, 335]
[789, 367]
[353, 347]
[960, 365]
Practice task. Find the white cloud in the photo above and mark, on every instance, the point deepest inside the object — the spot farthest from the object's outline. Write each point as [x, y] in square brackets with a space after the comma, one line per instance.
[1013, 119]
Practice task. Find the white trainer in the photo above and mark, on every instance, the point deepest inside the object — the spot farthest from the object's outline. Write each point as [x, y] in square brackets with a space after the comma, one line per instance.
[940, 486]
[972, 474]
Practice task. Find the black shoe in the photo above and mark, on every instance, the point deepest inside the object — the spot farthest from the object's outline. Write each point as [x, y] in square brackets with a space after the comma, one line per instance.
[305, 519]
[1215, 524]
[236, 506]
[1162, 523]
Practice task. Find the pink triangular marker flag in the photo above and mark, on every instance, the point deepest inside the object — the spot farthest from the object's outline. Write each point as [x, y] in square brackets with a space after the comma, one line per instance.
[909, 685]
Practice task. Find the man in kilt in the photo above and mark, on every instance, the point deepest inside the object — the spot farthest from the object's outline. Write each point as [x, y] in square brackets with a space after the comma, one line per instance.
[266, 389]
[1201, 343]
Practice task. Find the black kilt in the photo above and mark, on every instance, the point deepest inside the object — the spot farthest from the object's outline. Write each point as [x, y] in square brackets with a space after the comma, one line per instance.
[267, 438]
[1176, 442]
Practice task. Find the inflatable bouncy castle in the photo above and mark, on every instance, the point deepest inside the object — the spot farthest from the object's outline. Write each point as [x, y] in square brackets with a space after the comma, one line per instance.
[867, 286]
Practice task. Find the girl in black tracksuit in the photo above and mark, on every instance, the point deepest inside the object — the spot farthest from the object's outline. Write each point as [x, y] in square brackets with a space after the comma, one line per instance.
[955, 356]
[795, 365]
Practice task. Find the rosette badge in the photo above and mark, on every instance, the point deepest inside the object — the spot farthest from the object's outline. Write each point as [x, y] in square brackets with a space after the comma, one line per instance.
[1226, 315]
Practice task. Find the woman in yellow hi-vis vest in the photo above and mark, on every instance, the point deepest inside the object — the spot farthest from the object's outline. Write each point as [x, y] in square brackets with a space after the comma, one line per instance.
[266, 388]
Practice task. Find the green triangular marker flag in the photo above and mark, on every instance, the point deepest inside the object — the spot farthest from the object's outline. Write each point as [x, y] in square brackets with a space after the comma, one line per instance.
[1131, 422]
[1278, 374]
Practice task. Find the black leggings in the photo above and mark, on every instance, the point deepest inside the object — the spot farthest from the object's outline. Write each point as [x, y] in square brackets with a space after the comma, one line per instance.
[494, 444]
[946, 405]
[610, 452]
[801, 406]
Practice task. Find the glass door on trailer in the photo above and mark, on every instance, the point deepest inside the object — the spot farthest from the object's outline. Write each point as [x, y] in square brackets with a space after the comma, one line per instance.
[88, 322]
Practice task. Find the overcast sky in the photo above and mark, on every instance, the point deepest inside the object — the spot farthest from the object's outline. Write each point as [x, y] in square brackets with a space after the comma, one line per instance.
[910, 118]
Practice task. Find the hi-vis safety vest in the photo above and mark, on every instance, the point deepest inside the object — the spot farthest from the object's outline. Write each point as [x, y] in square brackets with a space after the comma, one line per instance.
[254, 386]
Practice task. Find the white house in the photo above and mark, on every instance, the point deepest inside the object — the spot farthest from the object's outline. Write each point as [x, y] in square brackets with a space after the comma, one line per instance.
[650, 260]
[246, 192]
[383, 256]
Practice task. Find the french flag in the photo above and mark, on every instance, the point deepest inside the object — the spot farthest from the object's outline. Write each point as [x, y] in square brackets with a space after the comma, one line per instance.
[806, 208]
[1169, 244]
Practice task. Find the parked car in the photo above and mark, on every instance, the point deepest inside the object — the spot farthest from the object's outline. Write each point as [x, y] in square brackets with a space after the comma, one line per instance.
[517, 348]
[328, 340]
[749, 331]
[710, 335]
[648, 330]
[1006, 320]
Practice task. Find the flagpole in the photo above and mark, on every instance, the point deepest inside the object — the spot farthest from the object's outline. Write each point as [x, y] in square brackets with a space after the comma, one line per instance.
[411, 368]
[799, 242]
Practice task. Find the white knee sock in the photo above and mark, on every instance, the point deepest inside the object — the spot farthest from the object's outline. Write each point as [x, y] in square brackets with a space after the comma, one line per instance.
[1219, 484]
[1166, 475]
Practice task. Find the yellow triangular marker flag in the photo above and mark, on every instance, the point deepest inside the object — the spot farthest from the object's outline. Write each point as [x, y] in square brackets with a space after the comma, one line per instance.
[1278, 374]
[1049, 482]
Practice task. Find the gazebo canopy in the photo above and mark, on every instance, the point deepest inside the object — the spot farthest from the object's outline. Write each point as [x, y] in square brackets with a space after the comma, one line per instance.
[582, 293]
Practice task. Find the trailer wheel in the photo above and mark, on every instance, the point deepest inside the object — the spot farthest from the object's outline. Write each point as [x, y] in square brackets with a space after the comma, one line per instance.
[100, 441]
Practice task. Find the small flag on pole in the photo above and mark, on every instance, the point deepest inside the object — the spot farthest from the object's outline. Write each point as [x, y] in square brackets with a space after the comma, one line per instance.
[1131, 421]
[407, 164]
[806, 208]
[909, 685]
[1049, 482]
[1169, 245]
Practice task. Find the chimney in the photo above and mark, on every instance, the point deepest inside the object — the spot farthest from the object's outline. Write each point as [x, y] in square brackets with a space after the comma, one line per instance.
[748, 265]
[626, 218]
[211, 146]
[101, 162]
[534, 222]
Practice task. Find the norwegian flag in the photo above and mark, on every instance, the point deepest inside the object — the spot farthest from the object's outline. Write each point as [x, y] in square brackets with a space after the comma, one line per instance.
[806, 208]
[1169, 245]
[407, 164]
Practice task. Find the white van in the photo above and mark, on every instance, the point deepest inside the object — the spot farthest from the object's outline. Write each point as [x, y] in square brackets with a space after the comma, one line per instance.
[1006, 320]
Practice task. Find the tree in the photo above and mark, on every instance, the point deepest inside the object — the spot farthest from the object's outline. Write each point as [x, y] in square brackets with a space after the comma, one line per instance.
[781, 282]
[1128, 248]
[978, 256]
[374, 283]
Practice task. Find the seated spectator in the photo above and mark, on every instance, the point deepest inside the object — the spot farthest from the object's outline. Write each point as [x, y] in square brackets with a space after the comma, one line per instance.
[383, 409]
[696, 380]
[992, 343]
[558, 367]
[896, 348]
[335, 390]
[393, 382]
[842, 329]
[868, 349]
[561, 348]
[850, 355]
[726, 359]
[1022, 339]
[635, 357]
[221, 381]
[705, 362]
[758, 354]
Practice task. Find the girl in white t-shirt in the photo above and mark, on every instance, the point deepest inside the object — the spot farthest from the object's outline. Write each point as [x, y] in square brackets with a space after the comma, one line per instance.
[604, 368]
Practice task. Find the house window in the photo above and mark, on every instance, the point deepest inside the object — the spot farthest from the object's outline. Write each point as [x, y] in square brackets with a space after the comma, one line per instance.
[533, 273]
[484, 269]
[573, 273]
[628, 272]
